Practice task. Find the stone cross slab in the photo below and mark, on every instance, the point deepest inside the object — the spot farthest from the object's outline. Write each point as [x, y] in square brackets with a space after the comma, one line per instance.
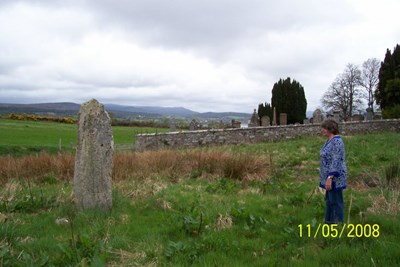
[94, 158]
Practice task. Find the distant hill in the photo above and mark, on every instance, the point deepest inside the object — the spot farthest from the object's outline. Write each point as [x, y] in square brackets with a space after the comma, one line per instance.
[119, 111]
[162, 111]
[54, 109]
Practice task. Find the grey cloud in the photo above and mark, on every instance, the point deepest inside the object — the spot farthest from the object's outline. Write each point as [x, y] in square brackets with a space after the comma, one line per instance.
[205, 23]
[204, 55]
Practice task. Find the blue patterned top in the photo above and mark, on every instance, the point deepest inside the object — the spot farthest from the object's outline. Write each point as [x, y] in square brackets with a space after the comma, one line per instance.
[333, 163]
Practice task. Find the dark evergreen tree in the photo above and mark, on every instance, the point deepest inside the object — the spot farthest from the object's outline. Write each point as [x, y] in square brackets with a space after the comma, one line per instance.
[288, 97]
[388, 92]
[265, 110]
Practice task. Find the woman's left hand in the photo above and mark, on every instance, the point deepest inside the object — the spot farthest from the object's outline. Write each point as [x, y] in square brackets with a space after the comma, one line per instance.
[328, 184]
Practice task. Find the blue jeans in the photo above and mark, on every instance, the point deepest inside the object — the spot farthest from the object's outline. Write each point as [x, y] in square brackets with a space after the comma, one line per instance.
[334, 211]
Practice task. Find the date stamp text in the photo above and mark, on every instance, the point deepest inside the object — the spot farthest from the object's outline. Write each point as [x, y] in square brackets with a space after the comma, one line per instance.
[339, 230]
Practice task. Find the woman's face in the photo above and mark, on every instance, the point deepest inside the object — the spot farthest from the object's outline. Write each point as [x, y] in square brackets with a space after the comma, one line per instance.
[325, 132]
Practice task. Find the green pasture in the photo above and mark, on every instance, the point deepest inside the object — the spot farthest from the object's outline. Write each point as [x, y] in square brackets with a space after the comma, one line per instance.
[22, 137]
[192, 221]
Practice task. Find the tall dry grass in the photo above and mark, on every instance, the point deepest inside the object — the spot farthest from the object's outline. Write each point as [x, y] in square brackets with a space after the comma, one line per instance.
[190, 163]
[171, 164]
[36, 167]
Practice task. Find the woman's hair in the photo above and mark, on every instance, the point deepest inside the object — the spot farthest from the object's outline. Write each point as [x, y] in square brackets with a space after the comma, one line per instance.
[330, 125]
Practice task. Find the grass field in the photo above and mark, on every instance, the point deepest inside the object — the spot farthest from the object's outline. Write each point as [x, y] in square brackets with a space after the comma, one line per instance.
[21, 137]
[238, 205]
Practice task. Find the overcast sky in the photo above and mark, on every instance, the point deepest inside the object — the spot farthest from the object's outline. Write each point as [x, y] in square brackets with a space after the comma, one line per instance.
[205, 55]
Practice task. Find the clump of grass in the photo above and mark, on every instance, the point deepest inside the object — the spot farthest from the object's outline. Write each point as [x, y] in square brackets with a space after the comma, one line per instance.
[392, 176]
[223, 222]
[386, 203]
[242, 166]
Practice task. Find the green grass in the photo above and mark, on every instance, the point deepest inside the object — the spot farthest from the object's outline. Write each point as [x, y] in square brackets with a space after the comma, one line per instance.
[160, 221]
[24, 137]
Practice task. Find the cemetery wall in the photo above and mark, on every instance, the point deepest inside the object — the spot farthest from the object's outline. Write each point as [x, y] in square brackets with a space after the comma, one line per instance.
[191, 139]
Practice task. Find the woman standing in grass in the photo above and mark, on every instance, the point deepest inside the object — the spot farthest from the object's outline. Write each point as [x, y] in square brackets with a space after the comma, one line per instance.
[333, 171]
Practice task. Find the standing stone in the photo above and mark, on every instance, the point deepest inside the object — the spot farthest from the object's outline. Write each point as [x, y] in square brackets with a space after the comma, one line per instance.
[93, 161]
[283, 119]
[274, 117]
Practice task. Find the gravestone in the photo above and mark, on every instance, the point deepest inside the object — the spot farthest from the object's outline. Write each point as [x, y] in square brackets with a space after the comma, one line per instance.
[306, 121]
[356, 117]
[221, 125]
[194, 125]
[236, 124]
[274, 117]
[254, 122]
[369, 115]
[172, 126]
[283, 119]
[336, 115]
[317, 116]
[377, 115]
[93, 161]
[265, 121]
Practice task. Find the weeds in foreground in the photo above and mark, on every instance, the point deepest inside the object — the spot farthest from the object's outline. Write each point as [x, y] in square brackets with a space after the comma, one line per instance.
[174, 213]
[167, 163]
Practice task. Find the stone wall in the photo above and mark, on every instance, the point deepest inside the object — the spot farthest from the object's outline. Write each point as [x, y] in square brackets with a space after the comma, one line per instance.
[191, 139]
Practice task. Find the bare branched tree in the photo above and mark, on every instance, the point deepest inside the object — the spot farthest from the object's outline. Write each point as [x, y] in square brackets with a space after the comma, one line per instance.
[370, 79]
[344, 93]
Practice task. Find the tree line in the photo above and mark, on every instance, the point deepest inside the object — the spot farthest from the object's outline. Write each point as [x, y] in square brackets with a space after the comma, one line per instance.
[377, 83]
[374, 82]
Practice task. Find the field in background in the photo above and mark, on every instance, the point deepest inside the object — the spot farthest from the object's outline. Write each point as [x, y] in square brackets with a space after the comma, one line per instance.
[22, 137]
[223, 206]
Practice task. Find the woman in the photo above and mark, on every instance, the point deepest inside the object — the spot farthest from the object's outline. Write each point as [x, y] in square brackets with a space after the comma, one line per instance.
[333, 171]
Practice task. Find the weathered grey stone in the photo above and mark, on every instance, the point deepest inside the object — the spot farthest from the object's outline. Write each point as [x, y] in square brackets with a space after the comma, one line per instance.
[93, 161]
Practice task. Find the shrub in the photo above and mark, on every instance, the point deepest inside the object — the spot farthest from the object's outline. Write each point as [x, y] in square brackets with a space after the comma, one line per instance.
[31, 117]
[391, 112]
